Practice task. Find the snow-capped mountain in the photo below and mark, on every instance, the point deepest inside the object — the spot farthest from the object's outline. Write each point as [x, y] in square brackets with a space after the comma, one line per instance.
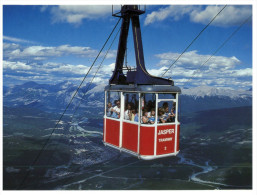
[55, 97]
[207, 98]
[203, 91]
[50, 97]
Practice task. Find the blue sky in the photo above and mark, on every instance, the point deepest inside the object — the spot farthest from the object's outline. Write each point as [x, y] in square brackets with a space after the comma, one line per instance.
[51, 44]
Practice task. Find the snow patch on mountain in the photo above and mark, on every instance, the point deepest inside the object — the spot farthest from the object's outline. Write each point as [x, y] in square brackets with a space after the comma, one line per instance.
[31, 102]
[67, 85]
[98, 88]
[95, 90]
[9, 92]
[95, 104]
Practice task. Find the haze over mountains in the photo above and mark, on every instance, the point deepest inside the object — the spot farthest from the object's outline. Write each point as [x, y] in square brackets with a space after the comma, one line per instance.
[55, 97]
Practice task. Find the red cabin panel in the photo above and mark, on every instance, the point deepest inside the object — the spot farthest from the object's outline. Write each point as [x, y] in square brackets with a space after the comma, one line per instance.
[165, 139]
[146, 140]
[130, 136]
[112, 132]
[178, 130]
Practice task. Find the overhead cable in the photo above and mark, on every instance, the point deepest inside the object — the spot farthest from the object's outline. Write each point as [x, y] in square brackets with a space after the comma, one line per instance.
[68, 105]
[194, 40]
[230, 36]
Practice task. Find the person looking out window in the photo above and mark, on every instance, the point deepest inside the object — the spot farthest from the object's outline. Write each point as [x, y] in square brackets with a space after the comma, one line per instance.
[116, 110]
[109, 109]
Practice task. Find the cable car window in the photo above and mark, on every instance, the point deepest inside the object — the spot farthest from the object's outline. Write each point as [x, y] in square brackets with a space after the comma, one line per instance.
[166, 111]
[131, 107]
[167, 96]
[113, 104]
[148, 108]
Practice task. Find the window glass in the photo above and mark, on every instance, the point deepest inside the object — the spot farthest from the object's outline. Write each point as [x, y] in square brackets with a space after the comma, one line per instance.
[148, 108]
[166, 111]
[113, 104]
[131, 107]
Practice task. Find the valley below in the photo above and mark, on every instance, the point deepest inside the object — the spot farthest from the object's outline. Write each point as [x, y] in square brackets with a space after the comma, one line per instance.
[214, 154]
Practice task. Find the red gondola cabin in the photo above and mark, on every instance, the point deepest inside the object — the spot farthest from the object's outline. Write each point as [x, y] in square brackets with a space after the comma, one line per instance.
[141, 110]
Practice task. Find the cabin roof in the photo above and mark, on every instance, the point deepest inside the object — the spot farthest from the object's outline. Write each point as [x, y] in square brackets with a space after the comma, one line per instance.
[144, 88]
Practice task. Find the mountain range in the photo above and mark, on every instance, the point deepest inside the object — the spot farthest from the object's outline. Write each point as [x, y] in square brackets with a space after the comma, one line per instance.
[55, 97]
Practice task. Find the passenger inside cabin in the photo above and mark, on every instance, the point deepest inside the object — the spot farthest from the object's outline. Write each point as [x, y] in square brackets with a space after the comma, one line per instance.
[165, 105]
[152, 116]
[109, 109]
[134, 116]
[128, 113]
[161, 116]
[145, 117]
[173, 112]
[164, 115]
[167, 115]
[116, 110]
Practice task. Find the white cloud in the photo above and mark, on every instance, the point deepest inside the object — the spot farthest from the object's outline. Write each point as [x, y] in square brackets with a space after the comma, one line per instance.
[106, 69]
[15, 65]
[74, 14]
[10, 46]
[247, 72]
[57, 72]
[178, 71]
[157, 72]
[16, 40]
[111, 54]
[183, 72]
[67, 68]
[219, 71]
[53, 69]
[192, 60]
[173, 11]
[27, 62]
[15, 51]
[76, 50]
[235, 78]
[232, 15]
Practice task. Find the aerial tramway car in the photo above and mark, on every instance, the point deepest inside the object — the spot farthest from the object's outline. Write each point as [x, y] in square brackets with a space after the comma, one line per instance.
[141, 110]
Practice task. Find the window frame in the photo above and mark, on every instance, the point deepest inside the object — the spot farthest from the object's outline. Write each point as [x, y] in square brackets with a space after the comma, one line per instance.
[168, 100]
[141, 114]
[138, 96]
[107, 97]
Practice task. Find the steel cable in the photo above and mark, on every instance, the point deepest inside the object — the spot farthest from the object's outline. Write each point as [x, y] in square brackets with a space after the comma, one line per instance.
[45, 144]
[230, 36]
[194, 40]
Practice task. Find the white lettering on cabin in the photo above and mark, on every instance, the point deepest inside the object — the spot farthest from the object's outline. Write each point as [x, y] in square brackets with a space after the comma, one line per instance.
[165, 139]
[165, 131]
